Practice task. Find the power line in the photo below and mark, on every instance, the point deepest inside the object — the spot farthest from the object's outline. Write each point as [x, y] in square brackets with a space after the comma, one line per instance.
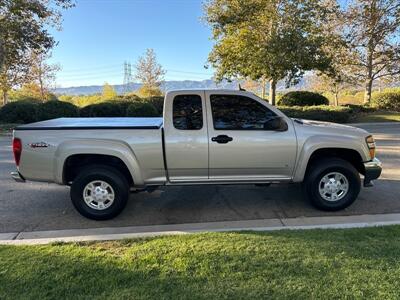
[110, 68]
[92, 68]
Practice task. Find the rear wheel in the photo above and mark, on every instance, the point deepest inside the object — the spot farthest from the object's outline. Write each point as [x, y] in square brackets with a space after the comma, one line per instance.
[332, 184]
[99, 192]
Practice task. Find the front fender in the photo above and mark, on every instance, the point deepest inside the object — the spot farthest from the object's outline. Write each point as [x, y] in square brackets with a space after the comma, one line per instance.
[318, 142]
[111, 148]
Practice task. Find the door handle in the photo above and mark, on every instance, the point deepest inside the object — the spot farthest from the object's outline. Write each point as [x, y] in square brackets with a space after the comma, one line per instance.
[222, 139]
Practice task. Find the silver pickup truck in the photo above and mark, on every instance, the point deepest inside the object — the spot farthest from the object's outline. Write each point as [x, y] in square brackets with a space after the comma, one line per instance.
[204, 137]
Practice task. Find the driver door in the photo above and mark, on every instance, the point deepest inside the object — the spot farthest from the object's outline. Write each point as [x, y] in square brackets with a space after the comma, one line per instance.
[240, 148]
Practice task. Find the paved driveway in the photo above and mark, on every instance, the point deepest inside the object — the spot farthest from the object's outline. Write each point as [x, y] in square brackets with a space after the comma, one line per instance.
[38, 206]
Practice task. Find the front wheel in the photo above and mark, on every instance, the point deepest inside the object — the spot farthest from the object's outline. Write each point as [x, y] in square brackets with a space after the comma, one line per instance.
[99, 192]
[332, 184]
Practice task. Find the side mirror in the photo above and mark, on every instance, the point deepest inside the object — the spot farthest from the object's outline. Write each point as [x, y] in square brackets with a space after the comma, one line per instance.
[276, 124]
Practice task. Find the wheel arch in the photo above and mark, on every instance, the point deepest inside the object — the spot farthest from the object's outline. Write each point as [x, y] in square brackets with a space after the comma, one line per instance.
[313, 151]
[76, 162]
[75, 154]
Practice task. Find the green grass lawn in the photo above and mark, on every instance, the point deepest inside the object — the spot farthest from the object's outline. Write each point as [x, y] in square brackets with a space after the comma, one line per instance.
[378, 117]
[324, 264]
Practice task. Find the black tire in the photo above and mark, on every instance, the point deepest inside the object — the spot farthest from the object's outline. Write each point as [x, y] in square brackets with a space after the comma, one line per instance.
[322, 167]
[111, 176]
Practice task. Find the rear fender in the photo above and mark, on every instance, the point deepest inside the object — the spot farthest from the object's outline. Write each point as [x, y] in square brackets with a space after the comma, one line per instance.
[111, 148]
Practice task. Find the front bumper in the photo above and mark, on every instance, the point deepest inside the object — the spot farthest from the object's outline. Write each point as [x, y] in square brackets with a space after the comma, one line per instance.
[373, 170]
[17, 176]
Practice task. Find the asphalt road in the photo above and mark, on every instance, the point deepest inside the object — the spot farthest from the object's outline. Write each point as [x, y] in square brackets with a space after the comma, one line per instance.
[37, 206]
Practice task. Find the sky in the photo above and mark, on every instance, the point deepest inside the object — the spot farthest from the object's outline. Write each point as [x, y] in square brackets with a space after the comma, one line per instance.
[98, 36]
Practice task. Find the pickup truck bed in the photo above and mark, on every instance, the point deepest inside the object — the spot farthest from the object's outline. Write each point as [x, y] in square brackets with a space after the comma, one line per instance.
[94, 123]
[131, 140]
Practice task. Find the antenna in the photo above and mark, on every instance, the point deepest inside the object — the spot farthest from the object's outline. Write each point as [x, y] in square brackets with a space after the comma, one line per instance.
[127, 76]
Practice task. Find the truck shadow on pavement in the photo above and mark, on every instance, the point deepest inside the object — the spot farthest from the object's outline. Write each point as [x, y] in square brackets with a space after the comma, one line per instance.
[33, 206]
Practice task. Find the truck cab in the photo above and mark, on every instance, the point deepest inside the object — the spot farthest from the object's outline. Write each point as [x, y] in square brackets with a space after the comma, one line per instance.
[220, 136]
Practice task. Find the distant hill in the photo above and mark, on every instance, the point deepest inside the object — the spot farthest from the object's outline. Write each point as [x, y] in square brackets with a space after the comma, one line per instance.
[167, 85]
[175, 85]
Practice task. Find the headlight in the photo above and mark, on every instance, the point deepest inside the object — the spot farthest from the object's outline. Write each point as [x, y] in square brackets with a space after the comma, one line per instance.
[371, 145]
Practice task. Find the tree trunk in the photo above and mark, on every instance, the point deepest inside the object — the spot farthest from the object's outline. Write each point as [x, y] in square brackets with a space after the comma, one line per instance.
[41, 89]
[272, 91]
[369, 79]
[336, 99]
[368, 90]
[5, 97]
[263, 83]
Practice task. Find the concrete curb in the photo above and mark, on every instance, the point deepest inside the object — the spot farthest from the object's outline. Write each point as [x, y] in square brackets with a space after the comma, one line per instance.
[373, 124]
[118, 233]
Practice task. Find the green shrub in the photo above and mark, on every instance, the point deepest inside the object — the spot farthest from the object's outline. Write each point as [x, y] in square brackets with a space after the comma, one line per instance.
[131, 97]
[336, 114]
[389, 100]
[124, 104]
[360, 108]
[303, 98]
[24, 111]
[142, 109]
[103, 109]
[56, 109]
[82, 101]
[157, 102]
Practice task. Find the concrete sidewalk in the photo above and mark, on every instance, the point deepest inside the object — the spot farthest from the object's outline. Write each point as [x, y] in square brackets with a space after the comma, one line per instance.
[117, 233]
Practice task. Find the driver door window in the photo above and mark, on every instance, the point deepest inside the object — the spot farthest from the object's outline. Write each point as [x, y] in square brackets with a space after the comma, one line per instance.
[235, 112]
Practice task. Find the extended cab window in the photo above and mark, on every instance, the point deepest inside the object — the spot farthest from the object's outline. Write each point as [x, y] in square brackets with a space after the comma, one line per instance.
[234, 112]
[187, 112]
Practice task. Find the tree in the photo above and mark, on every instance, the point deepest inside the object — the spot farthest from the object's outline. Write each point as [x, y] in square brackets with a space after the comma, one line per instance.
[42, 73]
[31, 91]
[321, 83]
[148, 71]
[108, 92]
[146, 91]
[337, 75]
[24, 28]
[12, 75]
[267, 39]
[373, 33]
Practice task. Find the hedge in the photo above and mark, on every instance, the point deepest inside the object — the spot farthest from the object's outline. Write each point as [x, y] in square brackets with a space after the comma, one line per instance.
[29, 111]
[141, 109]
[23, 111]
[336, 114]
[56, 109]
[303, 98]
[387, 100]
[104, 109]
[157, 102]
[361, 108]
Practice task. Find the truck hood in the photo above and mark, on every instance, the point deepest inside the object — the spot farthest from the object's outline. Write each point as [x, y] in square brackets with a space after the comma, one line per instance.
[329, 128]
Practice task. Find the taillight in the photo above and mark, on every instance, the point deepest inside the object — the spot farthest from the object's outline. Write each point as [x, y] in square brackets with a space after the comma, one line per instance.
[17, 149]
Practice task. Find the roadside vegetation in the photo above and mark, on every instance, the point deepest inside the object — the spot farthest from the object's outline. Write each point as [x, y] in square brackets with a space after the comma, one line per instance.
[385, 106]
[320, 264]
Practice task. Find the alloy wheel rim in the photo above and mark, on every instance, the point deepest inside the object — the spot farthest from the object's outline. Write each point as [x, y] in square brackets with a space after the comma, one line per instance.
[333, 187]
[98, 195]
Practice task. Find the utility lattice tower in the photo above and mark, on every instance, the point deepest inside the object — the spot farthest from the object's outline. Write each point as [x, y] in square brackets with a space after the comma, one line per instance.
[127, 76]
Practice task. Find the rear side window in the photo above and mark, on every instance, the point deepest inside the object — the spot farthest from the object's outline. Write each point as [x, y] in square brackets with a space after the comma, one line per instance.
[234, 112]
[187, 112]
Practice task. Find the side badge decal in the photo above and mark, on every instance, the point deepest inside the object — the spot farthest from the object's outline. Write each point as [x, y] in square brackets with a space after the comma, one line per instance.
[39, 145]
